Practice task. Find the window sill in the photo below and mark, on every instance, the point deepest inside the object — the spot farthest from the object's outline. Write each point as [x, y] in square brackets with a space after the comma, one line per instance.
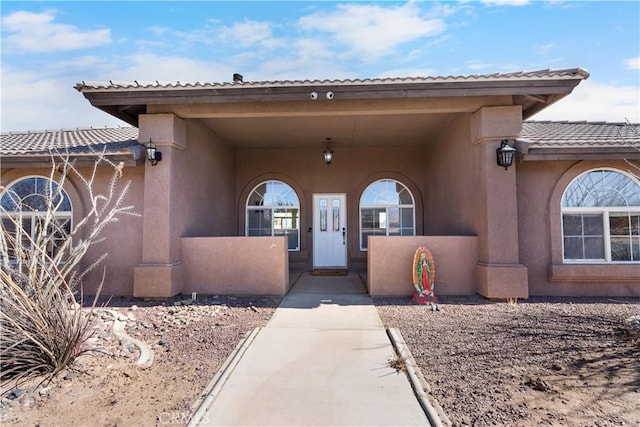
[604, 272]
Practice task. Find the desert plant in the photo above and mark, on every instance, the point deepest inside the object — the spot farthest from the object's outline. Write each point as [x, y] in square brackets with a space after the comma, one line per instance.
[42, 331]
[42, 324]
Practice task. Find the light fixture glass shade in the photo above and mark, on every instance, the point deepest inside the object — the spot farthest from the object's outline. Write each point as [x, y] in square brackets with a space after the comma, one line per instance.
[328, 155]
[505, 154]
[153, 155]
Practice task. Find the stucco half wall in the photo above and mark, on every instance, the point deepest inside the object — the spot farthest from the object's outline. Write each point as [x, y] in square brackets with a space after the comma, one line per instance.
[390, 261]
[235, 265]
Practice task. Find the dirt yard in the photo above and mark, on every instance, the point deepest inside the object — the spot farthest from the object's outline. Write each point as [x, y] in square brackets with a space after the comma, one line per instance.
[542, 361]
[547, 361]
[190, 343]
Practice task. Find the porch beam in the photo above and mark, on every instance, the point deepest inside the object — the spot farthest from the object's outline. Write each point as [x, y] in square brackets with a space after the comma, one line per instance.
[332, 108]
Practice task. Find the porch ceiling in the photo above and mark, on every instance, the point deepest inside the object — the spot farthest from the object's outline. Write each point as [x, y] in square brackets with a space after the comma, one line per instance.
[363, 130]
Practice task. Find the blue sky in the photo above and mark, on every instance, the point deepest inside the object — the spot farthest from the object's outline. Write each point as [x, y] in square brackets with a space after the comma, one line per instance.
[49, 46]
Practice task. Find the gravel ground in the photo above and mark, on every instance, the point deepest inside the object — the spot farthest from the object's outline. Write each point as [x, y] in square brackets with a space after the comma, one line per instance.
[190, 343]
[551, 361]
[541, 361]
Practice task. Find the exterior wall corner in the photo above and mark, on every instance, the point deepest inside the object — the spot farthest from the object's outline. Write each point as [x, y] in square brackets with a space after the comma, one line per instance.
[502, 281]
[157, 281]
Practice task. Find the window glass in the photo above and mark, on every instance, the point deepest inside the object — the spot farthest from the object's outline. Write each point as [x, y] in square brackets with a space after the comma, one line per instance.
[25, 203]
[602, 188]
[386, 209]
[259, 222]
[273, 209]
[601, 217]
[323, 215]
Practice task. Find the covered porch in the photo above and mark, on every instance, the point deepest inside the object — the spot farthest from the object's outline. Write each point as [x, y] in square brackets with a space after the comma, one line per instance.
[436, 138]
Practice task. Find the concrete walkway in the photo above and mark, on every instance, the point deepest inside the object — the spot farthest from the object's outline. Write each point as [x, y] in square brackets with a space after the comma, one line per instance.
[322, 360]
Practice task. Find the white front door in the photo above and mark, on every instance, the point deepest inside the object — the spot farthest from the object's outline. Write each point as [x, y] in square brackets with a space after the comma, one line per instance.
[329, 231]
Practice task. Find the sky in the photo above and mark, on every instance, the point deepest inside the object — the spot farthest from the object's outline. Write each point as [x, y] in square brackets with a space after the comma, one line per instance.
[49, 46]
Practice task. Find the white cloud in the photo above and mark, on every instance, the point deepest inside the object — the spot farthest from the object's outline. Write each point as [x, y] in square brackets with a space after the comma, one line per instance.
[37, 32]
[372, 30]
[149, 67]
[46, 99]
[478, 65]
[506, 2]
[33, 102]
[544, 48]
[592, 101]
[247, 33]
[633, 63]
[408, 72]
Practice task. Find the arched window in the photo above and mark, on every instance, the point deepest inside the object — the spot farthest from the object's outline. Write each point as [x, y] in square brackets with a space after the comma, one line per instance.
[387, 208]
[273, 209]
[601, 218]
[24, 207]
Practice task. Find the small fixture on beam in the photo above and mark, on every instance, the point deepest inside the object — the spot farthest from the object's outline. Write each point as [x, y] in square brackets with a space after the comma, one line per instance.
[328, 152]
[505, 154]
[153, 155]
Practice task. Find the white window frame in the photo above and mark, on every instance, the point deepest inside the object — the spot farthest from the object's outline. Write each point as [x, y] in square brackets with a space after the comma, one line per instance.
[605, 212]
[32, 216]
[386, 208]
[274, 212]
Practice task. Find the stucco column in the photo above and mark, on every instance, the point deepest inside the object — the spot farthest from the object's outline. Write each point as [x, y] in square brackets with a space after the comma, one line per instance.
[160, 274]
[498, 271]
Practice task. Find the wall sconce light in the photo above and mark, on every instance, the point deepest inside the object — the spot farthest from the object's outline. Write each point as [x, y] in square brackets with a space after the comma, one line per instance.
[328, 152]
[505, 154]
[153, 155]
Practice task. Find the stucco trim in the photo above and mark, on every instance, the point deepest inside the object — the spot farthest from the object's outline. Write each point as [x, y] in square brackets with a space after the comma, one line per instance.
[623, 273]
[558, 269]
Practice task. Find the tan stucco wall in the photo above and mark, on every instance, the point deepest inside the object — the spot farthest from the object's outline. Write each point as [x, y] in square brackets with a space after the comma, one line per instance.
[207, 184]
[188, 193]
[390, 271]
[352, 170]
[123, 239]
[540, 188]
[452, 197]
[470, 194]
[235, 265]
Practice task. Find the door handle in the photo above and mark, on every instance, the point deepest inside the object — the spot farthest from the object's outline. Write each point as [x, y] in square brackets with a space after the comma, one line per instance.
[344, 233]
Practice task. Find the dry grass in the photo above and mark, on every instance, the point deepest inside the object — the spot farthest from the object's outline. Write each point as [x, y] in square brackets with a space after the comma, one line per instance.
[398, 363]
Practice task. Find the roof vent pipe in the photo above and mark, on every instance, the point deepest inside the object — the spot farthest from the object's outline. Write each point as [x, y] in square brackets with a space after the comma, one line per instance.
[237, 78]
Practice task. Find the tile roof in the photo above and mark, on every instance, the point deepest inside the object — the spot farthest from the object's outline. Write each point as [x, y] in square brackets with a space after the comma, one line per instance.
[570, 73]
[116, 140]
[537, 135]
[564, 134]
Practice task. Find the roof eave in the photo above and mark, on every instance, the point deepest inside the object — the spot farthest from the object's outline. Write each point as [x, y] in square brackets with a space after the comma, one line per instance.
[613, 153]
[134, 156]
[127, 103]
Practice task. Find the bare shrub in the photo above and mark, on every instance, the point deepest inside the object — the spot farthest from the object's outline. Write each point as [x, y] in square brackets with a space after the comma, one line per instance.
[42, 332]
[42, 324]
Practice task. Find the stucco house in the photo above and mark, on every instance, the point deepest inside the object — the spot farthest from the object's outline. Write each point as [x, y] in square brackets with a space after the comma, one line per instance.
[260, 180]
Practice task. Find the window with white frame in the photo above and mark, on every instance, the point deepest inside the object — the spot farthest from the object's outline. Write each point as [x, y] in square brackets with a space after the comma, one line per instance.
[601, 218]
[273, 209]
[387, 208]
[24, 207]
